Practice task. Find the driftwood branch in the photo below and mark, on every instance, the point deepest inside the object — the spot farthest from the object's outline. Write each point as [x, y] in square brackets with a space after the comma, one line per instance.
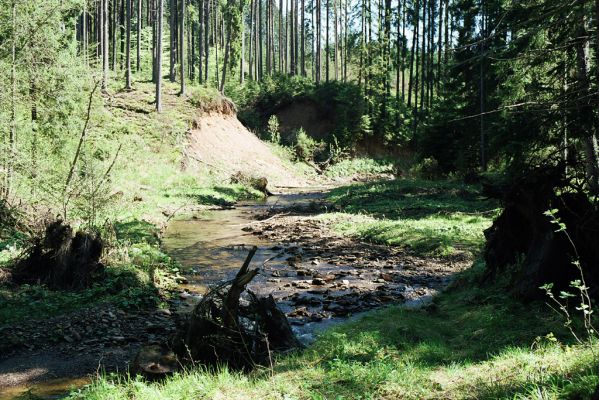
[81, 139]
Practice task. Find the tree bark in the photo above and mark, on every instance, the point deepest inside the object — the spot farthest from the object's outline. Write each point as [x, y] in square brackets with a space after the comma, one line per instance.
[182, 47]
[128, 50]
[138, 64]
[160, 12]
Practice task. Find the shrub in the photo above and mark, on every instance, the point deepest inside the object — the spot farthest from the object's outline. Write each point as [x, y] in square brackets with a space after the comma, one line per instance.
[273, 129]
[428, 168]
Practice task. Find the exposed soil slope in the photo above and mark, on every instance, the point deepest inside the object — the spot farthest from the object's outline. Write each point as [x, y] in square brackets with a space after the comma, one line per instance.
[220, 142]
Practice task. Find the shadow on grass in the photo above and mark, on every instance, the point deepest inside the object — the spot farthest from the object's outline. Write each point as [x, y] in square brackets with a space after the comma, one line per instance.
[136, 231]
[411, 199]
[223, 196]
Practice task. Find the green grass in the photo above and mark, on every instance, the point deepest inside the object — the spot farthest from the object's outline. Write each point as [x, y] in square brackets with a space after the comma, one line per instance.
[429, 217]
[473, 342]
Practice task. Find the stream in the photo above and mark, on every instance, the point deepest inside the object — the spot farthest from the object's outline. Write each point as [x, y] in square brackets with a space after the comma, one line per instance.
[211, 248]
[317, 277]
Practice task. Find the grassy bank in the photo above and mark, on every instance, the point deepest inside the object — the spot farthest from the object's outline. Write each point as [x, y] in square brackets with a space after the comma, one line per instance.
[439, 218]
[473, 342]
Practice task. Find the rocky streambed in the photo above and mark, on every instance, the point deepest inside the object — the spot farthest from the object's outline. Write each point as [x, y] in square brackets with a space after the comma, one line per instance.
[317, 277]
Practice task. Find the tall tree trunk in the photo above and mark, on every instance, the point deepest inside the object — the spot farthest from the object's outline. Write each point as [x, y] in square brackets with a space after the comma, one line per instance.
[439, 46]
[171, 73]
[483, 144]
[128, 50]
[200, 41]
[336, 33]
[182, 47]
[260, 41]
[424, 58]
[105, 45]
[318, 38]
[138, 64]
[251, 44]
[586, 121]
[12, 137]
[160, 11]
[206, 38]
[122, 32]
[84, 38]
[326, 46]
[303, 39]
[242, 56]
[414, 51]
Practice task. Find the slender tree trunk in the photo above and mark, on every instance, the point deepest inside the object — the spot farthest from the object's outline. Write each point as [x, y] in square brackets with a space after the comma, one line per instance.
[336, 33]
[115, 28]
[345, 42]
[424, 64]
[326, 47]
[128, 50]
[84, 38]
[414, 51]
[138, 64]
[182, 47]
[160, 12]
[206, 38]
[200, 41]
[242, 56]
[122, 32]
[105, 45]
[439, 46]
[303, 39]
[281, 38]
[171, 74]
[483, 144]
[318, 39]
[12, 137]
[251, 44]
[260, 41]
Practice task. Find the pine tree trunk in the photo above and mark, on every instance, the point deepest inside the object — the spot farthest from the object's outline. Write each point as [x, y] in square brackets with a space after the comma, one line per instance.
[105, 40]
[200, 41]
[414, 52]
[303, 39]
[206, 38]
[182, 47]
[138, 64]
[160, 12]
[128, 48]
[326, 46]
[122, 31]
[171, 74]
[318, 38]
